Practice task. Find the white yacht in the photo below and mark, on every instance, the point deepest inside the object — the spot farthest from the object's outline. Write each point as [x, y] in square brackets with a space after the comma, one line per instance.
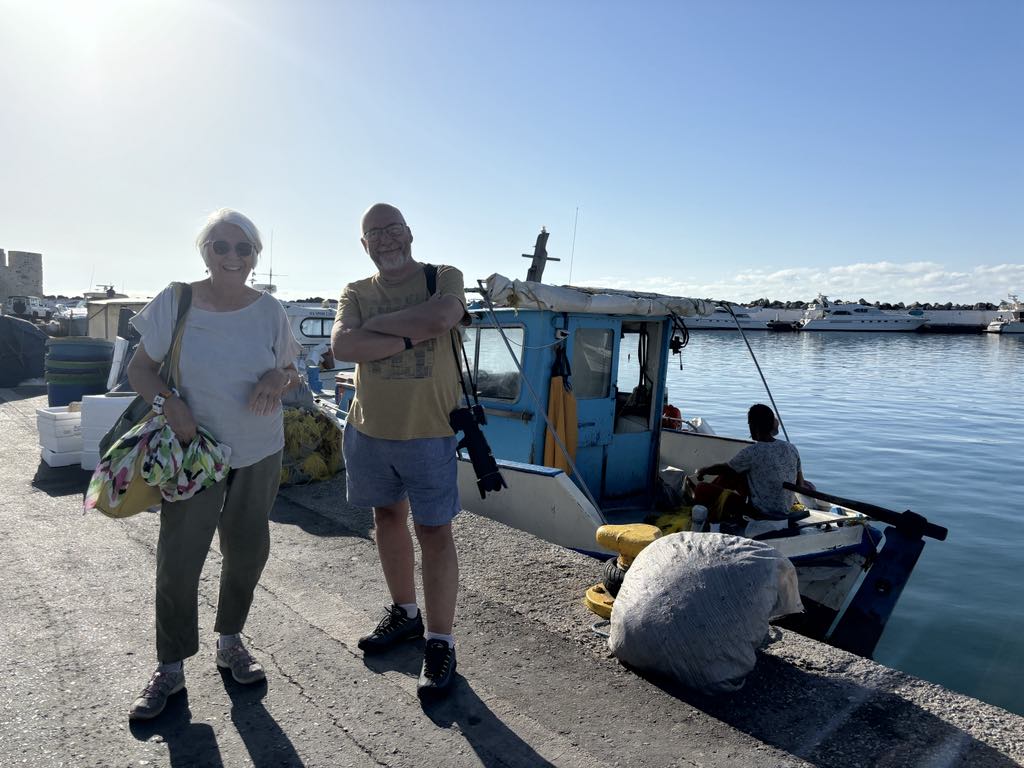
[1010, 318]
[722, 320]
[824, 315]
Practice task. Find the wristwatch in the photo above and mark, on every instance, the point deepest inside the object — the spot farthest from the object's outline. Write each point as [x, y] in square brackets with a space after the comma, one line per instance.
[162, 397]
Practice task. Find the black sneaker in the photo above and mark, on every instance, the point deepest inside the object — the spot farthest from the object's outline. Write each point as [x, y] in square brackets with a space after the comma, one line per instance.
[438, 669]
[395, 627]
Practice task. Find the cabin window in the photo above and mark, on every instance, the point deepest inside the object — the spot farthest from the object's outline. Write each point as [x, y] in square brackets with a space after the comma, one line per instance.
[317, 327]
[592, 350]
[496, 374]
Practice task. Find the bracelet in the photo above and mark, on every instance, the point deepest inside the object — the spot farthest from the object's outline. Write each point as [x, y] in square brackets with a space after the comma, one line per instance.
[407, 341]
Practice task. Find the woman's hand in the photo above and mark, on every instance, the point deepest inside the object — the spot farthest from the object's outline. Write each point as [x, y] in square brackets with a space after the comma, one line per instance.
[266, 395]
[179, 418]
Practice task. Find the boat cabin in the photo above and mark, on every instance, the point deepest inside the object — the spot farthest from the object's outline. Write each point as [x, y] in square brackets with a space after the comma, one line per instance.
[617, 428]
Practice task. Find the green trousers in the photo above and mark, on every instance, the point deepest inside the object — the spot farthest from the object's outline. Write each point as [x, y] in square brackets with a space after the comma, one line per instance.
[238, 508]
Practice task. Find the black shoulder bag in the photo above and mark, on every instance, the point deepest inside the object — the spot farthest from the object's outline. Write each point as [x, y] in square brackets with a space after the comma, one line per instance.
[468, 419]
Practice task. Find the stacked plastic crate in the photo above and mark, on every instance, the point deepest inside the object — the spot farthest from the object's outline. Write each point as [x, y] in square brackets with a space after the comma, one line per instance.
[60, 434]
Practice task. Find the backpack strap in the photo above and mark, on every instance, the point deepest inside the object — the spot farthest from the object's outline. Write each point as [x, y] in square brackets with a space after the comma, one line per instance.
[430, 272]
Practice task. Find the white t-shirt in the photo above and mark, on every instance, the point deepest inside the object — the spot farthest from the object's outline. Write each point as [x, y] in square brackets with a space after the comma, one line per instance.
[223, 355]
[768, 466]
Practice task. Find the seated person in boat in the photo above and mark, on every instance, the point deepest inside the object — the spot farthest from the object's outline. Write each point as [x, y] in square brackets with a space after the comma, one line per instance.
[750, 483]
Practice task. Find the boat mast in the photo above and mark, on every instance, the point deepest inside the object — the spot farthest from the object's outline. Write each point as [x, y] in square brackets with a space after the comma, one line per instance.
[540, 257]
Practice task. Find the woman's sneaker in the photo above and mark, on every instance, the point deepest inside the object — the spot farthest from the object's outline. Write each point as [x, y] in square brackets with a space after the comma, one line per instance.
[395, 627]
[438, 669]
[244, 668]
[152, 700]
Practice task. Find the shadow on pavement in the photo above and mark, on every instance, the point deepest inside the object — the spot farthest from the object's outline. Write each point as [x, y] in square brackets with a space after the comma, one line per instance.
[266, 743]
[349, 521]
[799, 716]
[493, 741]
[61, 481]
[189, 744]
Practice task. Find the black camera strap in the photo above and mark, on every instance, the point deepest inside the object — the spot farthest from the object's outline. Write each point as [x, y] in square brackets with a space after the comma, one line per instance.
[430, 272]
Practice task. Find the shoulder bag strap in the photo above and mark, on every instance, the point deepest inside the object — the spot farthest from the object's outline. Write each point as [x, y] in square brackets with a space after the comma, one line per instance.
[169, 370]
[430, 272]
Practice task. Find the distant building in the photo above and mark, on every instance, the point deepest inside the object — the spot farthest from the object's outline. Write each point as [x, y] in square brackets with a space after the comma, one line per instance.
[21, 274]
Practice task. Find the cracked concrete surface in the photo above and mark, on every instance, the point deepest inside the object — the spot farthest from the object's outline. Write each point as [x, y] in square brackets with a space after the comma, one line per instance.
[536, 687]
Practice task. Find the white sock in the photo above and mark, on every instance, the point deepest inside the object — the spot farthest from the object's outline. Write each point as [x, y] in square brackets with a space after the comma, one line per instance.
[226, 641]
[450, 639]
[171, 666]
[411, 609]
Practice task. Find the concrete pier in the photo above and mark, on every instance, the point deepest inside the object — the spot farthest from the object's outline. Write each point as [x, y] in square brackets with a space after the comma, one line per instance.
[537, 686]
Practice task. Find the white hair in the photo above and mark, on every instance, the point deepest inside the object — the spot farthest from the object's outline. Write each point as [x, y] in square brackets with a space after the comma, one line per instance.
[240, 220]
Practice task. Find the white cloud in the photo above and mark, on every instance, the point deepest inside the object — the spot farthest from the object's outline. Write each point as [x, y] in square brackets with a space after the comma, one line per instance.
[922, 281]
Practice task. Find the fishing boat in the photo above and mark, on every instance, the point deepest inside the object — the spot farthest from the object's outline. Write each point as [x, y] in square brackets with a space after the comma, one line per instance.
[825, 315]
[606, 465]
[1010, 318]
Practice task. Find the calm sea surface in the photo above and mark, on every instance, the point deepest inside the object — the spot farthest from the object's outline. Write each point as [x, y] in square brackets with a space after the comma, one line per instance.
[924, 422]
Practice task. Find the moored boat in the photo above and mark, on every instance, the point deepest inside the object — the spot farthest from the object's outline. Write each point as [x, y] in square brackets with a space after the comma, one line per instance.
[851, 567]
[723, 319]
[1010, 319]
[825, 315]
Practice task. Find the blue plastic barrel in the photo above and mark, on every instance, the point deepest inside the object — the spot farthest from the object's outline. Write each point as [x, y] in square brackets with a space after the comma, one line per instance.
[76, 366]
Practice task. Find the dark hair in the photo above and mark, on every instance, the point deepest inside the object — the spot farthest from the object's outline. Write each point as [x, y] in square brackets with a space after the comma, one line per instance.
[760, 418]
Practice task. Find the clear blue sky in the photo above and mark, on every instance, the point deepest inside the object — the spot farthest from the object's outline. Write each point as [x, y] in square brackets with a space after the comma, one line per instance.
[722, 149]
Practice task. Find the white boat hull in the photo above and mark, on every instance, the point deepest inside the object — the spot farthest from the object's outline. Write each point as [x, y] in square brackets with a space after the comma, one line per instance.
[858, 324]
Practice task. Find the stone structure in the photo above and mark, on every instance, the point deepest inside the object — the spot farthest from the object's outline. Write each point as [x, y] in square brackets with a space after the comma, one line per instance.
[21, 274]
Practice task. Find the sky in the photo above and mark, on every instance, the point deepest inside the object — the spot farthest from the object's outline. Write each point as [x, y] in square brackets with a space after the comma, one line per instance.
[722, 149]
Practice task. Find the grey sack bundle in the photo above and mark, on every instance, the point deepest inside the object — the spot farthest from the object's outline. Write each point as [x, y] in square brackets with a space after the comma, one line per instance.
[695, 607]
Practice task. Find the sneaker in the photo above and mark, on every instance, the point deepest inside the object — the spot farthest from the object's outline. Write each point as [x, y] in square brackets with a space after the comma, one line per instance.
[244, 668]
[151, 702]
[395, 627]
[438, 669]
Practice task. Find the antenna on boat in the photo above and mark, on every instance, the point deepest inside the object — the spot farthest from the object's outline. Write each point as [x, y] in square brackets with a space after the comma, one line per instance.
[540, 257]
[728, 308]
[268, 286]
[572, 252]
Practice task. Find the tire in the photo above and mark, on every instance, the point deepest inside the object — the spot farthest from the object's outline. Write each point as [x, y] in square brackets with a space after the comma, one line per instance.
[613, 576]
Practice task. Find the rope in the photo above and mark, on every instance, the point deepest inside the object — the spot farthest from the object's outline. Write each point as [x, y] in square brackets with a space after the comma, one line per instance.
[536, 398]
[753, 357]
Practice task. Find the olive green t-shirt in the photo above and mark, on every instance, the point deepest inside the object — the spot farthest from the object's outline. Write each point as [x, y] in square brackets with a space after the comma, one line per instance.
[408, 395]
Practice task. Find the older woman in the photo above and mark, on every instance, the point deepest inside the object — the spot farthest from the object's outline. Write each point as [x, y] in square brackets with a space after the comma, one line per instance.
[237, 359]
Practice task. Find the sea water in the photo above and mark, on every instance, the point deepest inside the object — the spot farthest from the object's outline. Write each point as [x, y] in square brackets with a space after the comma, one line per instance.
[931, 423]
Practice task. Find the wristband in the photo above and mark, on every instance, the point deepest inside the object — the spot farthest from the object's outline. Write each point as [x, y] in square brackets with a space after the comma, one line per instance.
[407, 341]
[162, 397]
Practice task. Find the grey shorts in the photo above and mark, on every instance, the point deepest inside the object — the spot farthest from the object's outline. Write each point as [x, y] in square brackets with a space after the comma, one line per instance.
[379, 473]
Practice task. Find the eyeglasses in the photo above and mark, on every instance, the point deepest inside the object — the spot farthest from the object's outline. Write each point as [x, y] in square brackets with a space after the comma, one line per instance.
[222, 247]
[391, 230]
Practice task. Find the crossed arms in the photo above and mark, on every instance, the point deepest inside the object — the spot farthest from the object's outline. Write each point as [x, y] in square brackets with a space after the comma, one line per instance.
[382, 336]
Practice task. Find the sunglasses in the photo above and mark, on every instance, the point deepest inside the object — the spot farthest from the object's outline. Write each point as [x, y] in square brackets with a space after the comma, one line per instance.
[222, 247]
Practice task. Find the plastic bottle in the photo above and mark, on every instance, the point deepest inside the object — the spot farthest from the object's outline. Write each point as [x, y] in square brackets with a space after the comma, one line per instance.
[698, 518]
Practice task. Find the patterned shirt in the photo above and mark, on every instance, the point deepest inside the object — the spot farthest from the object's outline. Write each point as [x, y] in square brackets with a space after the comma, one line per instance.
[767, 466]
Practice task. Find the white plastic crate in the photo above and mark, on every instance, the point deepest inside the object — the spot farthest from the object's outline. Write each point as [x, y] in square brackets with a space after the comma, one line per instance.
[89, 459]
[61, 458]
[60, 430]
[99, 412]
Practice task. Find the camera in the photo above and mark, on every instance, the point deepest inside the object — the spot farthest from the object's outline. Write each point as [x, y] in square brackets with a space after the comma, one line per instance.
[468, 421]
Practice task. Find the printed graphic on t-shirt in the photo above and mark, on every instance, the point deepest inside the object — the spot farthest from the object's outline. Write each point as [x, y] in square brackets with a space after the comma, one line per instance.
[415, 363]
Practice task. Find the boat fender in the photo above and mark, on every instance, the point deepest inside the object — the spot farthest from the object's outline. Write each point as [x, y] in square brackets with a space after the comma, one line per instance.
[671, 417]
